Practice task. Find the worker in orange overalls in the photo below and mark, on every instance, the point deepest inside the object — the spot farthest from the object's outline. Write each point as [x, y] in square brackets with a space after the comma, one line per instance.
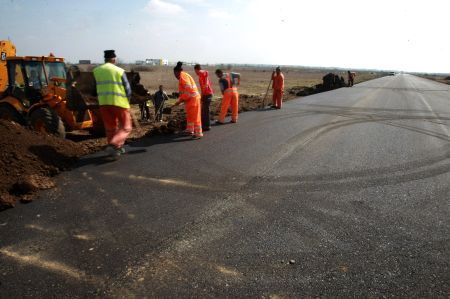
[191, 97]
[228, 83]
[278, 88]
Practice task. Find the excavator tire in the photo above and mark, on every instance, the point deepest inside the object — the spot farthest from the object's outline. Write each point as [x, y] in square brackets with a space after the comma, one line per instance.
[7, 112]
[47, 121]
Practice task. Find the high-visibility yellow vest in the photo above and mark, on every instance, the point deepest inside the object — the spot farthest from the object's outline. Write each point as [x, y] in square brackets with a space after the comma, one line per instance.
[110, 89]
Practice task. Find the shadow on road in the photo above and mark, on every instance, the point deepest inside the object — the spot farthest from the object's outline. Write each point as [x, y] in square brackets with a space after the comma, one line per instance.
[101, 158]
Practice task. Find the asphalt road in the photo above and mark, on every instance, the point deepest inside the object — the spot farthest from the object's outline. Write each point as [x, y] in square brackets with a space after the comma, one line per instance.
[340, 194]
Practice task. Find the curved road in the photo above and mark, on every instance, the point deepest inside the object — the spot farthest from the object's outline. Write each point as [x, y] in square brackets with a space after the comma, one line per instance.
[340, 194]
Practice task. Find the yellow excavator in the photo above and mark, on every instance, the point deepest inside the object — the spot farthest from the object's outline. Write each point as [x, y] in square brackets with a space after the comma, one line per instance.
[41, 92]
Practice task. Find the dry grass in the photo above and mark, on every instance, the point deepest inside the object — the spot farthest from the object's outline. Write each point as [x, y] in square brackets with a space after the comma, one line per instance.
[439, 78]
[254, 80]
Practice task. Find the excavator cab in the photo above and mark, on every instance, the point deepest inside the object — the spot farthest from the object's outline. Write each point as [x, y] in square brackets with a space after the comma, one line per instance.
[30, 77]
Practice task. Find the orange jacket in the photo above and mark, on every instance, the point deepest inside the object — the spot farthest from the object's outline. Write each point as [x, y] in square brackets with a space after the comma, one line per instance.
[205, 83]
[278, 82]
[187, 87]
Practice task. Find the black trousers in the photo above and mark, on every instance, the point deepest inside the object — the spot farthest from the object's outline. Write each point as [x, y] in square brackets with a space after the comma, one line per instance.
[159, 106]
[206, 102]
[145, 111]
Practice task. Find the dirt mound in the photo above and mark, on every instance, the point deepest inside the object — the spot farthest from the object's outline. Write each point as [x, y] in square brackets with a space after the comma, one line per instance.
[28, 160]
[330, 81]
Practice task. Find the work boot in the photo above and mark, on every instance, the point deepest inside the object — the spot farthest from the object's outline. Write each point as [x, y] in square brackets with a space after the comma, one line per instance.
[187, 133]
[219, 123]
[113, 152]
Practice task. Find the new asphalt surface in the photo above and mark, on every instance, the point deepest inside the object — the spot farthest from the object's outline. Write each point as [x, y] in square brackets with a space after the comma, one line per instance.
[341, 194]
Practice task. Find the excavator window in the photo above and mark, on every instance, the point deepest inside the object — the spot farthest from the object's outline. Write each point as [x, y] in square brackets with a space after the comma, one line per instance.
[35, 75]
[16, 80]
[16, 76]
[55, 70]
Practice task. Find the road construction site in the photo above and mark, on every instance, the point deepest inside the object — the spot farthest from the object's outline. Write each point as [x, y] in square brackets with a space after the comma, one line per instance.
[339, 194]
[32, 159]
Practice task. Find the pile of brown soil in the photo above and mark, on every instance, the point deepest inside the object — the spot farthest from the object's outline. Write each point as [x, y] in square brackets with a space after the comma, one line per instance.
[28, 160]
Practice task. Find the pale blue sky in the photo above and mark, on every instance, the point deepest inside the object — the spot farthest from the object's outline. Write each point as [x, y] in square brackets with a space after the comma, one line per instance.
[383, 34]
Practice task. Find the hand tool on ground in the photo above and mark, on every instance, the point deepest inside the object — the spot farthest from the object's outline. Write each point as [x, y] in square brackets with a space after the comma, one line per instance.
[267, 91]
[158, 111]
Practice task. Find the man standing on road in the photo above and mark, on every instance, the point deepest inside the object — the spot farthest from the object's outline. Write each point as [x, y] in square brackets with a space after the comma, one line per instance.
[158, 101]
[278, 88]
[228, 83]
[207, 95]
[351, 78]
[191, 97]
[114, 92]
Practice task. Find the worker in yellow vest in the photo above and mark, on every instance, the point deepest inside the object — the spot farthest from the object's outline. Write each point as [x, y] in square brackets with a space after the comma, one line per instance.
[114, 92]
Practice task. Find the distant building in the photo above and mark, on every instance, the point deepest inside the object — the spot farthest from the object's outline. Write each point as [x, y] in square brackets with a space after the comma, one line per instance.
[84, 62]
[152, 61]
[139, 62]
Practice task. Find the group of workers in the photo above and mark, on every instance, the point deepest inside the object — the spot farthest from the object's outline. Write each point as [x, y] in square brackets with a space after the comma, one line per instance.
[114, 92]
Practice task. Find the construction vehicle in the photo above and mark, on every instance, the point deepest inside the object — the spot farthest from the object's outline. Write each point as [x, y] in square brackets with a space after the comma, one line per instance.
[41, 92]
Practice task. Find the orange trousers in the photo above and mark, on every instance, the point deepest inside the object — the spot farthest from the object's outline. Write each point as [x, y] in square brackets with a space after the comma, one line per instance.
[118, 125]
[193, 116]
[229, 98]
[277, 98]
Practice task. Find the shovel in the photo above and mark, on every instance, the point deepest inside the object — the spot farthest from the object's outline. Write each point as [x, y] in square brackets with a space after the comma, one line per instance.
[158, 111]
[267, 91]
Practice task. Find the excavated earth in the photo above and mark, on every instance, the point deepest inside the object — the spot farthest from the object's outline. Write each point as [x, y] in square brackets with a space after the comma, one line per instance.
[29, 160]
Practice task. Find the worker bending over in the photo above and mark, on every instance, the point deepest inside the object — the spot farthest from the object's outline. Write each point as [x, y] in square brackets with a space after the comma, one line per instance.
[228, 83]
[207, 95]
[190, 95]
[114, 92]
[278, 88]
